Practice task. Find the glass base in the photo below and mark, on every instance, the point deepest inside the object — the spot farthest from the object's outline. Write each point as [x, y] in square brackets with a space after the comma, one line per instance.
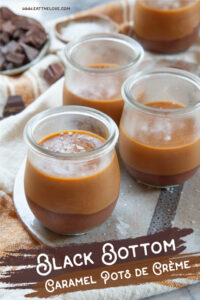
[156, 186]
[68, 234]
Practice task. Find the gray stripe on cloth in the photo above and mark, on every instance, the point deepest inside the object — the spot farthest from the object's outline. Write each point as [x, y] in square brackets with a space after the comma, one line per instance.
[165, 210]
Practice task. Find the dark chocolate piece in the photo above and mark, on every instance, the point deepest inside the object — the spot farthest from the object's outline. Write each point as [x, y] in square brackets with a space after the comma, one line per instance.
[35, 38]
[18, 33]
[11, 47]
[8, 65]
[30, 52]
[16, 58]
[2, 60]
[4, 38]
[21, 39]
[53, 73]
[1, 25]
[21, 23]
[26, 23]
[6, 13]
[8, 27]
[15, 104]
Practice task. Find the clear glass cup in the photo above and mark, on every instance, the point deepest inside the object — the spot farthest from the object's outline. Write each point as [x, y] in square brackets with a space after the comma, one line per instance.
[167, 26]
[159, 138]
[71, 193]
[97, 66]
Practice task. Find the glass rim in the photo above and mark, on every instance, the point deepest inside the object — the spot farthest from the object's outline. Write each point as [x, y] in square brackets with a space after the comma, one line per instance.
[133, 79]
[69, 110]
[168, 11]
[117, 37]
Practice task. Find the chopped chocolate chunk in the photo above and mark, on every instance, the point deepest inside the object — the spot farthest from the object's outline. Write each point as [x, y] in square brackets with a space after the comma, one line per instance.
[11, 47]
[15, 104]
[53, 73]
[27, 24]
[30, 52]
[16, 58]
[18, 33]
[23, 23]
[4, 38]
[8, 27]
[2, 60]
[21, 39]
[1, 25]
[6, 13]
[36, 38]
[8, 65]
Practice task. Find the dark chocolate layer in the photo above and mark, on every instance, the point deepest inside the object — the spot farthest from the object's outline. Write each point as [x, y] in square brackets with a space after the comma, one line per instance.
[171, 46]
[161, 180]
[70, 223]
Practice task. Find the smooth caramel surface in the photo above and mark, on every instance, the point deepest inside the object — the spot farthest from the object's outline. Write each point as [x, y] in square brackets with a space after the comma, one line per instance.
[107, 100]
[162, 152]
[103, 66]
[164, 105]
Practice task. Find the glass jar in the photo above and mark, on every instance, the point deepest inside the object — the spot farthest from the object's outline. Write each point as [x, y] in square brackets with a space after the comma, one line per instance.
[167, 26]
[97, 66]
[71, 193]
[159, 138]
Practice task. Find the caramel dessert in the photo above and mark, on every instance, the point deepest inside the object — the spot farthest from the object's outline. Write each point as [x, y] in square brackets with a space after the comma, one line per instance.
[108, 101]
[72, 197]
[156, 158]
[167, 26]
